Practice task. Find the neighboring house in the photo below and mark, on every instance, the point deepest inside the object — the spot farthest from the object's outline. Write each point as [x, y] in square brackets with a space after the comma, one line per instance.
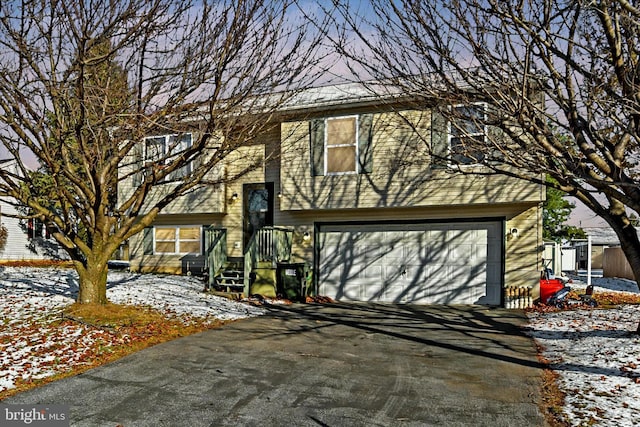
[606, 253]
[366, 208]
[27, 239]
[601, 239]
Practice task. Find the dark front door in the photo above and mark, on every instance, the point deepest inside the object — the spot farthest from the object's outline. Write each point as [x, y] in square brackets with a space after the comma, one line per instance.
[258, 208]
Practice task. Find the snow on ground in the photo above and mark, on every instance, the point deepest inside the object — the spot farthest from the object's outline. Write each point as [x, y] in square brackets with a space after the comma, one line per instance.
[579, 281]
[597, 356]
[32, 298]
[595, 351]
[175, 294]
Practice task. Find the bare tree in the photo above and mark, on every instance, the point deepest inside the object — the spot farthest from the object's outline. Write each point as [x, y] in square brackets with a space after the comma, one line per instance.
[560, 81]
[82, 83]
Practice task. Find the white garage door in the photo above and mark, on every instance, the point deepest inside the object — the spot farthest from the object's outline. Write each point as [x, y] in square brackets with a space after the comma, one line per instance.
[434, 263]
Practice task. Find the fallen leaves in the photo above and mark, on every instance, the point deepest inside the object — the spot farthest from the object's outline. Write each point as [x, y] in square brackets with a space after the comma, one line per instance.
[319, 299]
[593, 352]
[630, 370]
[616, 298]
[604, 300]
[43, 336]
[36, 263]
[259, 300]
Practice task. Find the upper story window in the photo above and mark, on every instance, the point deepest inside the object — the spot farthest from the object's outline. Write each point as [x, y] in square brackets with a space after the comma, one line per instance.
[163, 149]
[467, 133]
[341, 145]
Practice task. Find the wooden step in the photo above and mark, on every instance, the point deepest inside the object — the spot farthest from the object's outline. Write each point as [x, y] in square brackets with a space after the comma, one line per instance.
[225, 282]
[228, 287]
[232, 273]
[230, 280]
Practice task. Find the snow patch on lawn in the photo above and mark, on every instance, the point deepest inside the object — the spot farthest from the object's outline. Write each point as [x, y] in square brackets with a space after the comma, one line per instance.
[32, 298]
[176, 294]
[597, 356]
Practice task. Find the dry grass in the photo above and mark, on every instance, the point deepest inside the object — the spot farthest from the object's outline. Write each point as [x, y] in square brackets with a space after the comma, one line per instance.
[552, 397]
[611, 299]
[146, 326]
[552, 400]
[112, 315]
[37, 263]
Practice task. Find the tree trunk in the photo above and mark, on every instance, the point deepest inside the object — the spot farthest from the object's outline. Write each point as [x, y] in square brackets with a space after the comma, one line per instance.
[630, 245]
[92, 282]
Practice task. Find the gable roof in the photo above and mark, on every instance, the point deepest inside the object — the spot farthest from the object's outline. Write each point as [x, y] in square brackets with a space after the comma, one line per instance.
[603, 235]
[352, 94]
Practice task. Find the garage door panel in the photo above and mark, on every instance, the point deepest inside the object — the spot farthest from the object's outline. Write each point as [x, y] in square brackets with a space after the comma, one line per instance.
[392, 286]
[415, 285]
[436, 246]
[437, 273]
[349, 291]
[482, 252]
[344, 284]
[373, 291]
[462, 254]
[448, 263]
[371, 249]
[413, 247]
[394, 243]
[440, 291]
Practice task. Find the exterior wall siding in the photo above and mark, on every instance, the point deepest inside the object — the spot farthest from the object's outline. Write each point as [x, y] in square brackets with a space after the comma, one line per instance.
[210, 206]
[19, 245]
[402, 175]
[403, 185]
[233, 220]
[204, 200]
[524, 251]
[166, 263]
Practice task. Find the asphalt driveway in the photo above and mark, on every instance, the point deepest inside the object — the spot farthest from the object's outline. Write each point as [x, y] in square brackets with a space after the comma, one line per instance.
[321, 365]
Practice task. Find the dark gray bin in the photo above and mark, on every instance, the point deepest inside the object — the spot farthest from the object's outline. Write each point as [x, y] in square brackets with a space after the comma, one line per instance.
[291, 280]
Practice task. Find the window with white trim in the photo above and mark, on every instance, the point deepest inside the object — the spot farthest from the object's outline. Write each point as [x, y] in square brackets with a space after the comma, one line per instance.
[177, 240]
[341, 145]
[163, 149]
[467, 133]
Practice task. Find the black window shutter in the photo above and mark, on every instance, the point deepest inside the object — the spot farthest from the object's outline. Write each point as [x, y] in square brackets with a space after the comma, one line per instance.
[147, 241]
[439, 140]
[138, 164]
[495, 137]
[316, 140]
[203, 239]
[365, 146]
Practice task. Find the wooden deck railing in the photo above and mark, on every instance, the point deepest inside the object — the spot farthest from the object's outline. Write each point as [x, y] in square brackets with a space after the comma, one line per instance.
[269, 244]
[216, 251]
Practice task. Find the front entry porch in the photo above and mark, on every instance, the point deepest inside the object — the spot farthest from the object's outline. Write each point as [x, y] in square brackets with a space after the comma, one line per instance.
[253, 274]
